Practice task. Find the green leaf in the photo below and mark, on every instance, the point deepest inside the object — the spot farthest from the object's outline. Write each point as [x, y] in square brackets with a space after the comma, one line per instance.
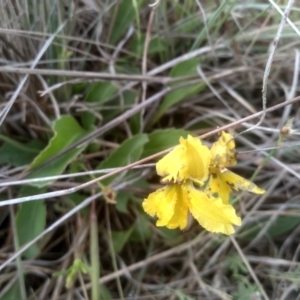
[125, 100]
[246, 291]
[182, 296]
[67, 131]
[12, 293]
[72, 272]
[235, 264]
[162, 139]
[104, 292]
[99, 92]
[141, 229]
[190, 24]
[129, 152]
[282, 226]
[122, 199]
[214, 22]
[125, 16]
[17, 154]
[185, 68]
[170, 234]
[30, 220]
[156, 45]
[135, 123]
[120, 238]
[79, 88]
[87, 120]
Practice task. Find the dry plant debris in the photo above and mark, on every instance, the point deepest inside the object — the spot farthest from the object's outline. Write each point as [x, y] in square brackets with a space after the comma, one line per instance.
[93, 94]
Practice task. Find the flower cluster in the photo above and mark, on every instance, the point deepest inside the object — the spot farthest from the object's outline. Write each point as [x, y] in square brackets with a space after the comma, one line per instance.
[197, 181]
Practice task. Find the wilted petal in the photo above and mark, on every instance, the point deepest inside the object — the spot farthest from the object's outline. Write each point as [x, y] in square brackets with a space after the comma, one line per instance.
[222, 182]
[223, 151]
[216, 185]
[237, 182]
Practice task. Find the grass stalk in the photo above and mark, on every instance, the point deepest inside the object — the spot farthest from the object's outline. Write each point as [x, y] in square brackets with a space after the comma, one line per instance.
[20, 268]
[94, 254]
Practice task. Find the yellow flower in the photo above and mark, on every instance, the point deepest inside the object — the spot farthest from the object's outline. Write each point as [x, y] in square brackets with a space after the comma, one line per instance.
[189, 160]
[172, 204]
[222, 181]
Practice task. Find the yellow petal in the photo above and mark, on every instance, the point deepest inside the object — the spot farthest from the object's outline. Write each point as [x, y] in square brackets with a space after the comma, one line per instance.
[212, 213]
[169, 205]
[237, 182]
[170, 165]
[223, 151]
[217, 185]
[189, 160]
[180, 216]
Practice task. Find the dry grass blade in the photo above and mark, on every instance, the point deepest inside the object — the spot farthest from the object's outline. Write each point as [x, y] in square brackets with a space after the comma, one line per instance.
[92, 94]
[13, 98]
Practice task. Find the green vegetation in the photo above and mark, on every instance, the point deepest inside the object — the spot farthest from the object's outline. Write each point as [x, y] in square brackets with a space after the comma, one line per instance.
[91, 93]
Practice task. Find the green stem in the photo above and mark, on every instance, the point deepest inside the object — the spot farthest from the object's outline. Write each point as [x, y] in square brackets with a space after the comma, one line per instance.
[112, 252]
[19, 260]
[94, 253]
